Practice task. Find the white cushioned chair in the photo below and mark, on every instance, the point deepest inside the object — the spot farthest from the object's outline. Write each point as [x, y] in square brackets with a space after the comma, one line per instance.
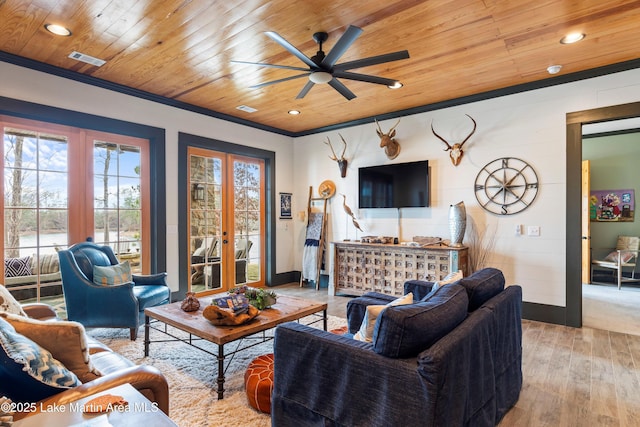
[624, 256]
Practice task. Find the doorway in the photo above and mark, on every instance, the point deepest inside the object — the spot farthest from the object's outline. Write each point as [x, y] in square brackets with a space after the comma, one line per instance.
[575, 122]
[613, 154]
[236, 210]
[226, 220]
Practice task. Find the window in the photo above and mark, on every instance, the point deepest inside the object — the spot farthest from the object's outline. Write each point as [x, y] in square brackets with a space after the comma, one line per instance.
[48, 204]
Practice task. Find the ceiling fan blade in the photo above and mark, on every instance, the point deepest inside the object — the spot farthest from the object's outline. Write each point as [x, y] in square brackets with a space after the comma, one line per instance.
[305, 89]
[364, 78]
[262, 64]
[344, 91]
[372, 60]
[291, 48]
[278, 81]
[345, 41]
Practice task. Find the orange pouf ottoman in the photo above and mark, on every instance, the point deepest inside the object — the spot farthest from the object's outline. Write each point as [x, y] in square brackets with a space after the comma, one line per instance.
[258, 382]
[340, 331]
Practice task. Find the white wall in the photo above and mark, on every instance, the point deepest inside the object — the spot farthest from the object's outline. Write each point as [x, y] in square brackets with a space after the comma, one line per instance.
[530, 126]
[33, 86]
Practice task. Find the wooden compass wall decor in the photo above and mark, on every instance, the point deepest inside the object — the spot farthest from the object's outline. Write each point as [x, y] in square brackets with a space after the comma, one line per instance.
[506, 186]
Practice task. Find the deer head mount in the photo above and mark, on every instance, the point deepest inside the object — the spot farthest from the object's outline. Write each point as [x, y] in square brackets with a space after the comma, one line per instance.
[342, 162]
[455, 150]
[390, 145]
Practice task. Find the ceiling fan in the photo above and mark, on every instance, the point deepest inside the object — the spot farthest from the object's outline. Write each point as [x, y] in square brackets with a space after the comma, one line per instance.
[323, 68]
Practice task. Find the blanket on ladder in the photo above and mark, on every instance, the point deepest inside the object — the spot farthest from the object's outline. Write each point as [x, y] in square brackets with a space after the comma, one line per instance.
[310, 254]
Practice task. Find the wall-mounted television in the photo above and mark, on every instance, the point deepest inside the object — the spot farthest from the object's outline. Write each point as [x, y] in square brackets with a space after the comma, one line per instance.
[398, 185]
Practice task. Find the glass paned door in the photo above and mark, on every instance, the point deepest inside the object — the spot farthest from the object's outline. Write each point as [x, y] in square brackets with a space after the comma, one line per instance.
[35, 210]
[117, 200]
[61, 185]
[249, 219]
[205, 218]
[226, 221]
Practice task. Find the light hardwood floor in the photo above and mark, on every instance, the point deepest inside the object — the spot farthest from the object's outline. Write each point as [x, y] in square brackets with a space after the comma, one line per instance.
[579, 377]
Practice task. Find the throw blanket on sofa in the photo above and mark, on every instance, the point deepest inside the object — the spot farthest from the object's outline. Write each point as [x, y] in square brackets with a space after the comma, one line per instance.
[312, 246]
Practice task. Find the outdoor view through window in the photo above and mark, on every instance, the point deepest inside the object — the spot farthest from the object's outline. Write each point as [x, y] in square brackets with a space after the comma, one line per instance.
[60, 187]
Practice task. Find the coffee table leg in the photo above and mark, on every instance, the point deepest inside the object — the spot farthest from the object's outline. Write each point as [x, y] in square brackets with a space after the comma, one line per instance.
[220, 371]
[146, 336]
[324, 319]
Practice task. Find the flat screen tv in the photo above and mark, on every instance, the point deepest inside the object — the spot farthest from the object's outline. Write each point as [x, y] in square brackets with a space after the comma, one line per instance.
[398, 185]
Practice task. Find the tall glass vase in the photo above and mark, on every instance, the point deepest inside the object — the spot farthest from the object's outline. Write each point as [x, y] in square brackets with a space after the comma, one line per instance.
[457, 224]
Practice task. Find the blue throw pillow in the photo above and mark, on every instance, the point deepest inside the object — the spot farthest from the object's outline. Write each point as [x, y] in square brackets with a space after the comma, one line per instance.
[406, 330]
[28, 372]
[112, 274]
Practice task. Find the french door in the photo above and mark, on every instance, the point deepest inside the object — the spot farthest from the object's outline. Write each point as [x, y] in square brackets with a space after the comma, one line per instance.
[61, 185]
[226, 221]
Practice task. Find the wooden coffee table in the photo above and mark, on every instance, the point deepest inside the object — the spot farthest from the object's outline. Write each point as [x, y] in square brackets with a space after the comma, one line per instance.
[287, 309]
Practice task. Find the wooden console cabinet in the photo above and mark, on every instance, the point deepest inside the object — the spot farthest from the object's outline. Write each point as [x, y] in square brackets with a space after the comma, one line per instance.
[359, 268]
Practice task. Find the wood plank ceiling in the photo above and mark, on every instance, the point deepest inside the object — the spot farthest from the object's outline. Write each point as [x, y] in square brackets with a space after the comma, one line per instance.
[182, 49]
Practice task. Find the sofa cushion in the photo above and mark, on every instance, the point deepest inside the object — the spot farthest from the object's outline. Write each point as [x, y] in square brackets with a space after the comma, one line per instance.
[624, 256]
[8, 303]
[14, 267]
[482, 285]
[28, 372]
[112, 274]
[406, 330]
[45, 264]
[365, 333]
[66, 341]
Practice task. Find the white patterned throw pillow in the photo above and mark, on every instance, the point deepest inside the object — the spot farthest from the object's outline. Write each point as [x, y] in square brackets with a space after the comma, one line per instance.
[365, 333]
[35, 360]
[9, 304]
[449, 278]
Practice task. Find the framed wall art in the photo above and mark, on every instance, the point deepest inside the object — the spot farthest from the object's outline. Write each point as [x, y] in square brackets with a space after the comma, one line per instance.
[285, 206]
[612, 206]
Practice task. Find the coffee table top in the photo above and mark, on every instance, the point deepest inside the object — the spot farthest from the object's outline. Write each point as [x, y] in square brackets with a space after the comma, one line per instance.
[287, 308]
[140, 411]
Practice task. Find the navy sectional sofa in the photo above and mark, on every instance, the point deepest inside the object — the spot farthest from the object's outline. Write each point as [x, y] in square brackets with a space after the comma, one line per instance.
[452, 358]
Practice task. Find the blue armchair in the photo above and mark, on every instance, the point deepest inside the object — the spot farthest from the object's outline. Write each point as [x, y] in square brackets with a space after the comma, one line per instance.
[107, 306]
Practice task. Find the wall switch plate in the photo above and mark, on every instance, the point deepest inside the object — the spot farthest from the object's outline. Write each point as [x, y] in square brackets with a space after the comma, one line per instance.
[518, 229]
[533, 230]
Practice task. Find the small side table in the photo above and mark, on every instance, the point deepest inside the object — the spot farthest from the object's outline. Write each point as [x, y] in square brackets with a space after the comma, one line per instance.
[139, 412]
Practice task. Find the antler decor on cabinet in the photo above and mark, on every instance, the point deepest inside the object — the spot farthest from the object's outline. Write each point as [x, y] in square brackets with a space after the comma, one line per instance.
[456, 152]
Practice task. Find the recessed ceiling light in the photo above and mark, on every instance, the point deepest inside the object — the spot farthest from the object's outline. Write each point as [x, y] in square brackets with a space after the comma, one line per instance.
[396, 85]
[294, 112]
[58, 30]
[554, 69]
[572, 38]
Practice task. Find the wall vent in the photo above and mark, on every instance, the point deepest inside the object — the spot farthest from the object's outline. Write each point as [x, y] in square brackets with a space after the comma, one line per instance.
[86, 58]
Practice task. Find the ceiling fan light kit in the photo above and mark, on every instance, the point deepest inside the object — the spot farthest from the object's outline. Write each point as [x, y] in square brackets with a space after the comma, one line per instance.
[322, 69]
[320, 77]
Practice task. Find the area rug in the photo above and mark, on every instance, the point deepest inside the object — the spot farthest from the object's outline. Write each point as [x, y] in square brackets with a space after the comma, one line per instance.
[192, 373]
